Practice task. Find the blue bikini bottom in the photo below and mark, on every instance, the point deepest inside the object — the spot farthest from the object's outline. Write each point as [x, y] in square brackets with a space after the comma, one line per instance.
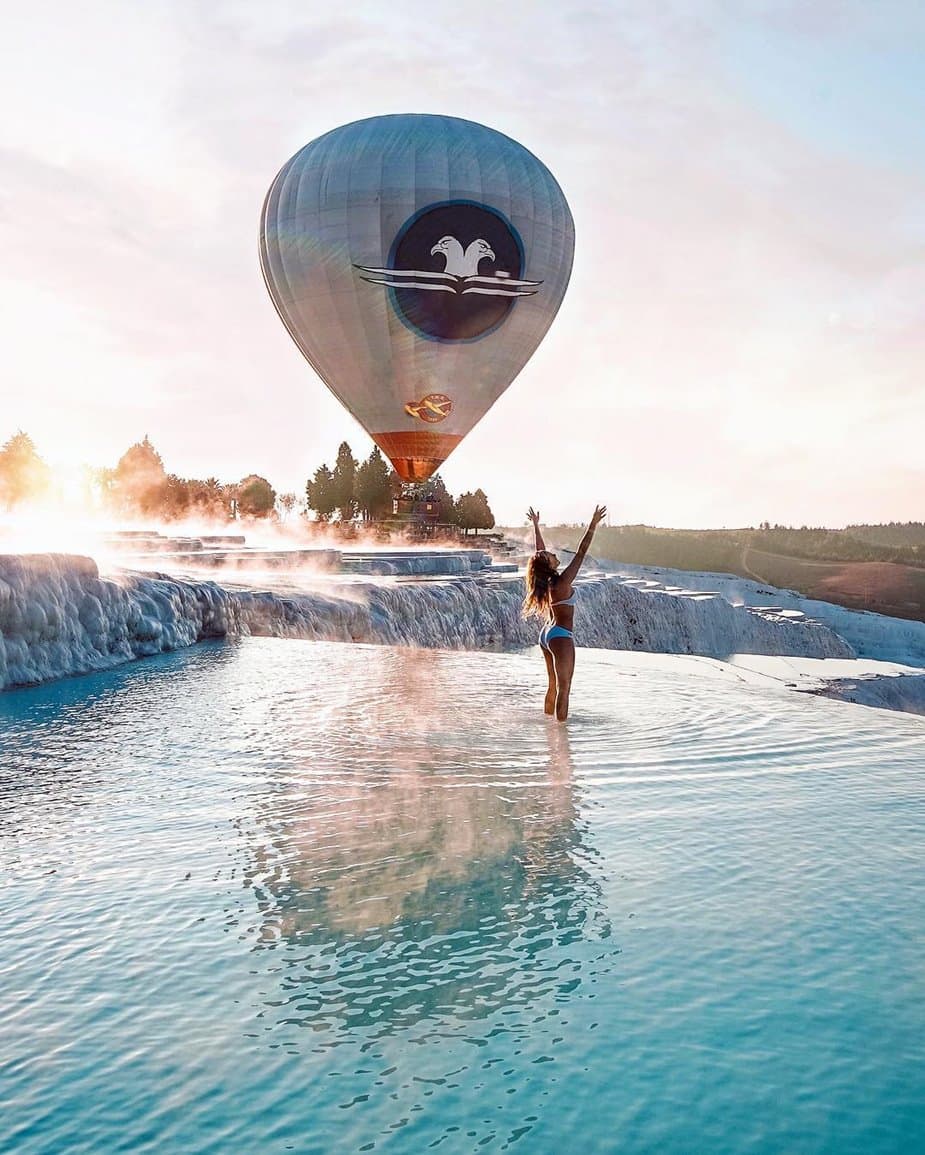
[547, 633]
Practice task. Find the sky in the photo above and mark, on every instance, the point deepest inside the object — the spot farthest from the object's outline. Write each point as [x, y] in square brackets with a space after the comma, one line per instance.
[743, 335]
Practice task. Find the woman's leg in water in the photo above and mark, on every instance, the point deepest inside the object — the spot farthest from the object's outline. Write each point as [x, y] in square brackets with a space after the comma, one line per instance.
[563, 658]
[549, 705]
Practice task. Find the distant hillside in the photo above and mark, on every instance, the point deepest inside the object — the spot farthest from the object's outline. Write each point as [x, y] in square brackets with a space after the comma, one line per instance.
[849, 567]
[896, 533]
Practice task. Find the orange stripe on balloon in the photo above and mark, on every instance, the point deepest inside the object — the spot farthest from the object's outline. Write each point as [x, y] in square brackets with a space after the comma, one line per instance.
[415, 456]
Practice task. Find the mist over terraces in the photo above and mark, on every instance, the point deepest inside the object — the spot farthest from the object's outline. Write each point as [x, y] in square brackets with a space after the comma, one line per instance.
[366, 493]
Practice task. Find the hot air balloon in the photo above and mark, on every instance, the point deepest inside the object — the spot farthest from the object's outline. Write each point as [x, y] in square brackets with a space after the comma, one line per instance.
[417, 262]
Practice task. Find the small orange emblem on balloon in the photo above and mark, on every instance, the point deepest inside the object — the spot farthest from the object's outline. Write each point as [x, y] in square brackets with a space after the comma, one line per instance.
[432, 408]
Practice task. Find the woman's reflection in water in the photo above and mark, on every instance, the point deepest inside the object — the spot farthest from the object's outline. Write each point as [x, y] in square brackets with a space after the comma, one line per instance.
[431, 888]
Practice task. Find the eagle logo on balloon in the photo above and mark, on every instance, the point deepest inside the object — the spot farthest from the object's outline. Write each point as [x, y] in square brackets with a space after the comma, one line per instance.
[460, 274]
[461, 280]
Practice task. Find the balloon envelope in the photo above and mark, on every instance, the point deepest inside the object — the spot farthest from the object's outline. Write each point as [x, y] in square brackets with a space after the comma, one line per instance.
[417, 261]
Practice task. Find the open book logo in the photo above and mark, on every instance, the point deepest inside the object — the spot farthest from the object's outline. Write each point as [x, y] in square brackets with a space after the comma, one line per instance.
[460, 274]
[454, 271]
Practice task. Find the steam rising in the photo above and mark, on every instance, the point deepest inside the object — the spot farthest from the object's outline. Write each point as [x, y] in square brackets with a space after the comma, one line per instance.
[59, 616]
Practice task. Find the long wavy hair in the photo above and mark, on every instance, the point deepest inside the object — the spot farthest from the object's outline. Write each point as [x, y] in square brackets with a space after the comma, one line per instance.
[540, 577]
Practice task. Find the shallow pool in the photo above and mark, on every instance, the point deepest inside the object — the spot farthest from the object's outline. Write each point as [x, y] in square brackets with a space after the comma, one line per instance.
[281, 896]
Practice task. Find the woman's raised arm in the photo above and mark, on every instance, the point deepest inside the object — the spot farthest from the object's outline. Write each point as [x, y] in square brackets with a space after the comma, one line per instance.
[571, 570]
[538, 542]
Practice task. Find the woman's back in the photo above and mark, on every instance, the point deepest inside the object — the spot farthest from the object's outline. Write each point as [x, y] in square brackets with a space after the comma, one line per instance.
[562, 603]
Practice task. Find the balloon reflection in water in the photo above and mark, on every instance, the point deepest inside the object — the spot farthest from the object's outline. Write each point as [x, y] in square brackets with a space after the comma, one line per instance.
[427, 889]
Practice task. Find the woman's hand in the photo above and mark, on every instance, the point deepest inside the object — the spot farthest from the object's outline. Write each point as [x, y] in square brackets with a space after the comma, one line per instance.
[599, 514]
[533, 515]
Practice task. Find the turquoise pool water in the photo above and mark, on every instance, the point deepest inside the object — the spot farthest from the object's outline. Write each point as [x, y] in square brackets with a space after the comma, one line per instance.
[285, 896]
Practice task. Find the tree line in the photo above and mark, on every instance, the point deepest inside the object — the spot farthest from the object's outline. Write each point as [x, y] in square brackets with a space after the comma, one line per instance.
[370, 490]
[893, 534]
[140, 485]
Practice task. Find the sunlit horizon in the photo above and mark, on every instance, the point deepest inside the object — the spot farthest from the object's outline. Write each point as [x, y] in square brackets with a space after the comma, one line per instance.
[741, 340]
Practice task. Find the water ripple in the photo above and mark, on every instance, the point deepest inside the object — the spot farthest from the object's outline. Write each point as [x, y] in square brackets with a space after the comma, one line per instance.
[307, 897]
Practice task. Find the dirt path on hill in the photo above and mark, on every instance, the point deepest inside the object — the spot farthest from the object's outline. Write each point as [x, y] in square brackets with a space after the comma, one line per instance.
[746, 550]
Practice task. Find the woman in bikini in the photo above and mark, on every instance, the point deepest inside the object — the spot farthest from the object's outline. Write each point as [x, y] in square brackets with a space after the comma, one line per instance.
[551, 597]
